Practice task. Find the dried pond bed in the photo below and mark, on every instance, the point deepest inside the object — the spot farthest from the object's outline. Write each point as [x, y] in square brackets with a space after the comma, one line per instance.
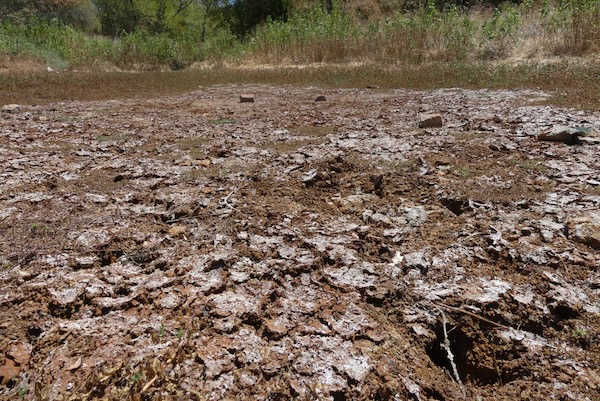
[195, 247]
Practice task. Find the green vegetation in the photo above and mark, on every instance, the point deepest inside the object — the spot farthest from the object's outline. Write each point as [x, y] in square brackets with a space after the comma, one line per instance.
[136, 377]
[529, 165]
[176, 33]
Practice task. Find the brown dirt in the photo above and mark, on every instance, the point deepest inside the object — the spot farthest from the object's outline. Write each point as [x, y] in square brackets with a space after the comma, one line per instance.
[194, 247]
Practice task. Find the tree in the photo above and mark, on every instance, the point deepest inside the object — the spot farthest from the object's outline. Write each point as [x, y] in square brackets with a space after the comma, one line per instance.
[247, 14]
[79, 13]
[154, 16]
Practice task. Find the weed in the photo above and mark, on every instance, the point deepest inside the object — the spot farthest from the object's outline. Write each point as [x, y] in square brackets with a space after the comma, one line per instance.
[398, 166]
[162, 331]
[529, 165]
[222, 121]
[135, 378]
[591, 190]
[38, 229]
[22, 392]
[464, 171]
[179, 333]
[579, 334]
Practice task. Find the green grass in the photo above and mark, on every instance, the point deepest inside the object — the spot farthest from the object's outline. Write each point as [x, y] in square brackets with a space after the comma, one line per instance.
[529, 165]
[61, 46]
[425, 35]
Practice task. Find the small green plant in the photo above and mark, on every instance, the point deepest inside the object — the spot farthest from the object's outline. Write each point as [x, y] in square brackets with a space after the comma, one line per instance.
[38, 229]
[22, 392]
[180, 333]
[580, 334]
[162, 330]
[135, 378]
[464, 171]
[529, 165]
[222, 121]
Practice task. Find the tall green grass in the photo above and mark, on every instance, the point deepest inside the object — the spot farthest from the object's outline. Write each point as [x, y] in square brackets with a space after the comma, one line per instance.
[532, 29]
[430, 34]
[62, 46]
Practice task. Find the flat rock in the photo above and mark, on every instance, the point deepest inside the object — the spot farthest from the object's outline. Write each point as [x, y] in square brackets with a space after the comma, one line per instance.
[431, 121]
[11, 108]
[585, 230]
[177, 230]
[564, 134]
[246, 98]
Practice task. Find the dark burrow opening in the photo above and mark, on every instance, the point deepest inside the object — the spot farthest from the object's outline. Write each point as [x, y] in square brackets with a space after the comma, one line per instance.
[467, 363]
[456, 206]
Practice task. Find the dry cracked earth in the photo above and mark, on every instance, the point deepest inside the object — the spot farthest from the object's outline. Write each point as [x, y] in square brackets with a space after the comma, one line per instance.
[198, 248]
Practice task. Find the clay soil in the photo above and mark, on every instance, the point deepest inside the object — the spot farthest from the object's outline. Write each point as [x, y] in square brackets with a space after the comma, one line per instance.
[192, 247]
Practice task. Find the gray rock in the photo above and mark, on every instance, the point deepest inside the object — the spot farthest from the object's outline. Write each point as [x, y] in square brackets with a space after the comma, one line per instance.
[310, 176]
[11, 108]
[585, 230]
[246, 98]
[417, 260]
[431, 121]
[562, 133]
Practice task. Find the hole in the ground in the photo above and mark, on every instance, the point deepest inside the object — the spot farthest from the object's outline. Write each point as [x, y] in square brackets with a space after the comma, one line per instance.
[252, 320]
[217, 264]
[456, 206]
[33, 333]
[462, 347]
[563, 311]
[376, 300]
[62, 311]
[338, 395]
[108, 257]
[123, 291]
[277, 396]
[434, 395]
[383, 394]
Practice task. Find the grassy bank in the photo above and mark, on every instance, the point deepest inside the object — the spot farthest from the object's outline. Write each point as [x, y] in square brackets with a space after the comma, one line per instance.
[529, 31]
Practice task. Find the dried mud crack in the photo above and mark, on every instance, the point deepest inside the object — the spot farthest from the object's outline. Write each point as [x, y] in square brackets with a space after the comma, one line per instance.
[199, 248]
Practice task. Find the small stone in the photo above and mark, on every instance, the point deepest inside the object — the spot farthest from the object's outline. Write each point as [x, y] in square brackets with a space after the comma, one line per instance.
[246, 98]
[11, 108]
[176, 231]
[276, 328]
[526, 231]
[418, 260]
[585, 230]
[431, 121]
[320, 98]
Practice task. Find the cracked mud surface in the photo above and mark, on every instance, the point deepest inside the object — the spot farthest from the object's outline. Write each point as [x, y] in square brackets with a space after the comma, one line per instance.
[195, 247]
